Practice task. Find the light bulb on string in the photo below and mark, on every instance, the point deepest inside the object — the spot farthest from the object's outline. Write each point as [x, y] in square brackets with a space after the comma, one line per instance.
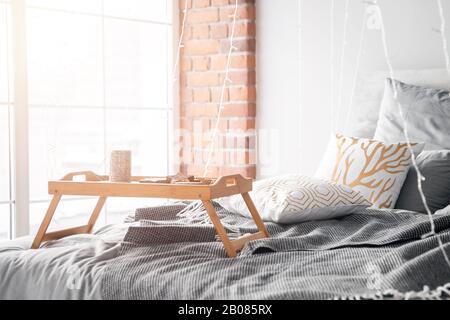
[444, 38]
[420, 176]
[364, 27]
[180, 42]
[332, 58]
[227, 80]
[342, 61]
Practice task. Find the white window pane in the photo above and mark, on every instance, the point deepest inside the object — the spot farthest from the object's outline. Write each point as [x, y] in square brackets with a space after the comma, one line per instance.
[65, 59]
[144, 133]
[69, 214]
[4, 221]
[4, 154]
[63, 140]
[5, 43]
[85, 6]
[153, 10]
[136, 64]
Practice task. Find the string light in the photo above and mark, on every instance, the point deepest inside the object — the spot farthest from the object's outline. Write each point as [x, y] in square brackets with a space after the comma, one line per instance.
[300, 79]
[357, 67]
[333, 106]
[420, 177]
[226, 81]
[444, 38]
[8, 92]
[440, 293]
[180, 42]
[342, 61]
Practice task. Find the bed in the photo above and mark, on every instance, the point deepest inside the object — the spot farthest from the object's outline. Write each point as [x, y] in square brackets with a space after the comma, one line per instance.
[158, 254]
[356, 256]
[70, 268]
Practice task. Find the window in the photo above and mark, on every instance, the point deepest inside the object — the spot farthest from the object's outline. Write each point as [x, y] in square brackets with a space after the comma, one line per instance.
[98, 80]
[6, 199]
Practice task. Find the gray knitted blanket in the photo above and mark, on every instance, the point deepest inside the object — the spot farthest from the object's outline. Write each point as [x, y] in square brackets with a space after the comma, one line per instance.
[168, 257]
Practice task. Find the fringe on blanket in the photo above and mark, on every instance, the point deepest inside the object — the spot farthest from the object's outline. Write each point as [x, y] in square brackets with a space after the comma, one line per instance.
[195, 213]
[440, 293]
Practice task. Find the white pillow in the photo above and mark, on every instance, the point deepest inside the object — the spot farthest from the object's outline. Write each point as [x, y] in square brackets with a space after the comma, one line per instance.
[375, 169]
[295, 198]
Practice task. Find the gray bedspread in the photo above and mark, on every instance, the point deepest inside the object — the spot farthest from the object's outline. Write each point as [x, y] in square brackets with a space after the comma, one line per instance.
[161, 256]
[167, 258]
[70, 268]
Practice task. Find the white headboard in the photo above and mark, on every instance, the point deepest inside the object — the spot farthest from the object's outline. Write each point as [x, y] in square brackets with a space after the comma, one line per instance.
[369, 93]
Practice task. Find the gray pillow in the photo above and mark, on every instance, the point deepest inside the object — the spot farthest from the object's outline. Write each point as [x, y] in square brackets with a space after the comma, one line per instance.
[427, 112]
[435, 166]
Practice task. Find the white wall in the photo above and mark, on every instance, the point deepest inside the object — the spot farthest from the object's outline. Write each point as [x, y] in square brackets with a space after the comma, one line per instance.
[295, 113]
[278, 85]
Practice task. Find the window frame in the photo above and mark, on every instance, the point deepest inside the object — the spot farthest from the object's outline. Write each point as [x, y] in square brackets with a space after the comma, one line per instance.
[19, 107]
[7, 105]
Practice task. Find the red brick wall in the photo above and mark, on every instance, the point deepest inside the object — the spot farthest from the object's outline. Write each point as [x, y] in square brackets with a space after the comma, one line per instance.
[203, 62]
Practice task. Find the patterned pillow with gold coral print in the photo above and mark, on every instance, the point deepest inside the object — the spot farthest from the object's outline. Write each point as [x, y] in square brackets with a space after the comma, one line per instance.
[375, 169]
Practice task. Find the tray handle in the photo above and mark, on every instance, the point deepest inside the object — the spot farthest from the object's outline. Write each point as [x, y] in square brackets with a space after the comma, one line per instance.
[89, 176]
[233, 181]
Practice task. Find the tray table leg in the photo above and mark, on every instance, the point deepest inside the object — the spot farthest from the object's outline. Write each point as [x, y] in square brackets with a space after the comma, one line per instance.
[94, 216]
[254, 212]
[229, 248]
[46, 222]
[42, 234]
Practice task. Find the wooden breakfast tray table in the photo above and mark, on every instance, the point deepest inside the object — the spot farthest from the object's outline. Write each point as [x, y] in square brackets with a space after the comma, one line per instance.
[151, 187]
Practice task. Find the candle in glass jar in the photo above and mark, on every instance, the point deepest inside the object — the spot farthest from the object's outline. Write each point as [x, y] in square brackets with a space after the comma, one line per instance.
[120, 166]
